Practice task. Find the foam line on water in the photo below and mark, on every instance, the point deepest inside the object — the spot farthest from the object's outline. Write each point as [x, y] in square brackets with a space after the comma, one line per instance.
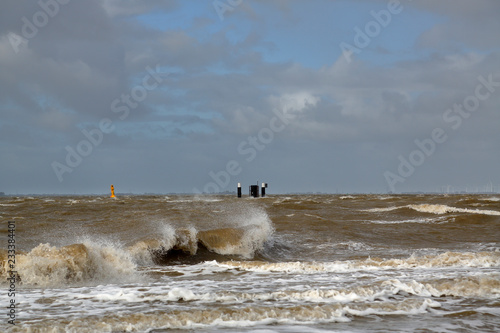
[447, 259]
[236, 317]
[435, 209]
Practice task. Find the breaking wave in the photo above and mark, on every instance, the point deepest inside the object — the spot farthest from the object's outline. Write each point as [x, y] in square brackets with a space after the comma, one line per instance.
[486, 286]
[220, 316]
[47, 265]
[447, 259]
[435, 209]
[190, 245]
[493, 199]
[88, 262]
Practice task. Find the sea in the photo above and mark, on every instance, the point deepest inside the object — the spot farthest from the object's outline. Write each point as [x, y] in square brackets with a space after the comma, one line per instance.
[281, 263]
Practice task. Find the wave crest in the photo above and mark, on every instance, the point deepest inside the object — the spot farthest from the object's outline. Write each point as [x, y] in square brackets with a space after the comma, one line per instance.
[248, 234]
[435, 209]
[447, 259]
[47, 265]
[192, 245]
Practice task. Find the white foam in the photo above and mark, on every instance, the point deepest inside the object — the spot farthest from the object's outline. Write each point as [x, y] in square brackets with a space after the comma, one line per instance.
[407, 307]
[494, 199]
[351, 245]
[383, 209]
[421, 220]
[168, 238]
[250, 230]
[486, 286]
[282, 199]
[243, 316]
[89, 262]
[206, 198]
[447, 259]
[385, 197]
[443, 209]
[258, 230]
[378, 292]
[435, 209]
[316, 216]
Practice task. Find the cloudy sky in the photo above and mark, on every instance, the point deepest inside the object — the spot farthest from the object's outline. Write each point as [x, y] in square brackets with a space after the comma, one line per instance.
[192, 96]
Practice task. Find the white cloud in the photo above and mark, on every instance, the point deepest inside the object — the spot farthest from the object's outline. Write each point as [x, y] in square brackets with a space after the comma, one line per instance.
[294, 102]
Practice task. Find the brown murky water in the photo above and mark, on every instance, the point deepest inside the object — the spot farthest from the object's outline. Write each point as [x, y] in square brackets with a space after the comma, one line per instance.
[315, 263]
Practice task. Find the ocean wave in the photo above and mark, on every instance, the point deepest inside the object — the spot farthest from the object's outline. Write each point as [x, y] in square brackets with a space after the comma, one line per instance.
[447, 259]
[280, 200]
[435, 209]
[46, 265]
[351, 246]
[485, 286]
[443, 209]
[238, 317]
[383, 209]
[89, 261]
[249, 234]
[206, 198]
[493, 199]
[191, 245]
[380, 291]
[418, 220]
[315, 216]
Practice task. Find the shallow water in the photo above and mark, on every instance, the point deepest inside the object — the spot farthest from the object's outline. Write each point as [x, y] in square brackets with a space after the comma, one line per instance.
[315, 263]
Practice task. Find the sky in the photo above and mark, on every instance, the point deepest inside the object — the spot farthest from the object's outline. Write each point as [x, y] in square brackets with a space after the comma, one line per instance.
[196, 96]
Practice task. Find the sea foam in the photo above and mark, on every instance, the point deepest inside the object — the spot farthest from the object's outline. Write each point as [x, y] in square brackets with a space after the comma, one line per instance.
[435, 209]
[89, 262]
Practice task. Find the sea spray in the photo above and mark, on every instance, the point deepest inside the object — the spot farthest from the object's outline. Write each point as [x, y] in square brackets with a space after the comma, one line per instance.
[252, 229]
[82, 263]
[241, 233]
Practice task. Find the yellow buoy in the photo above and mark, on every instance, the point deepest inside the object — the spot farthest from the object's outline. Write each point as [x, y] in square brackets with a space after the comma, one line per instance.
[112, 191]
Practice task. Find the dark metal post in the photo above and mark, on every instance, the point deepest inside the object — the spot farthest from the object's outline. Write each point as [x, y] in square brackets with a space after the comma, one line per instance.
[254, 191]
